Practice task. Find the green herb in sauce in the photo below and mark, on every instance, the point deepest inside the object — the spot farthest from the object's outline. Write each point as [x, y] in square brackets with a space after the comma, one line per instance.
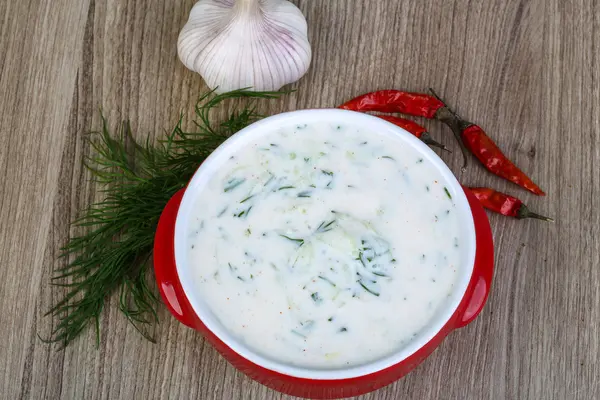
[380, 274]
[269, 180]
[243, 213]
[233, 183]
[447, 193]
[368, 288]
[300, 242]
[316, 298]
[295, 332]
[326, 280]
[325, 226]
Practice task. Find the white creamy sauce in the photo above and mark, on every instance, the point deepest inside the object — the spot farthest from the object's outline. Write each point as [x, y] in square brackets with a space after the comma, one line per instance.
[325, 245]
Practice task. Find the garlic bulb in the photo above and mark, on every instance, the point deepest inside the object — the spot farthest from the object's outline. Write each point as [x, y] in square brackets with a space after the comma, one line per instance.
[235, 44]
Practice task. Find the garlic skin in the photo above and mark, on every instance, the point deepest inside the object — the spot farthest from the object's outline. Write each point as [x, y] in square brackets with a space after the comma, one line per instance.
[235, 44]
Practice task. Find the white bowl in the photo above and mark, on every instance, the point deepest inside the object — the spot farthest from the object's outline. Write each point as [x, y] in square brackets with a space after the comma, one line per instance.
[335, 116]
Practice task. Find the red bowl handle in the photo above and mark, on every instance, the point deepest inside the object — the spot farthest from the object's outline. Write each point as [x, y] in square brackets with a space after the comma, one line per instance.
[483, 270]
[164, 264]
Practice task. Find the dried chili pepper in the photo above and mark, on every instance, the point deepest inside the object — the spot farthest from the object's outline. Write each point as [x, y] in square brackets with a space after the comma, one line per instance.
[390, 101]
[412, 127]
[505, 204]
[486, 151]
[416, 104]
[494, 160]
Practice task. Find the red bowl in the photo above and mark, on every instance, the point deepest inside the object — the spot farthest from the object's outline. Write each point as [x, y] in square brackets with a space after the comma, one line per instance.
[179, 305]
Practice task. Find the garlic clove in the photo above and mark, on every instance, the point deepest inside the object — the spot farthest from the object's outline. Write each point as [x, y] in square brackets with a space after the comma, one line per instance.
[235, 44]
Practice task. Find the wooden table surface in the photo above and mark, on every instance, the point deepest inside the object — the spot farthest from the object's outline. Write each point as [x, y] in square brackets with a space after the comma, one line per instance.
[527, 71]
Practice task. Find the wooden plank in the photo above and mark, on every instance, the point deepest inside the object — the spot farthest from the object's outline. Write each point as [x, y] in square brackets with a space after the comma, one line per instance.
[38, 42]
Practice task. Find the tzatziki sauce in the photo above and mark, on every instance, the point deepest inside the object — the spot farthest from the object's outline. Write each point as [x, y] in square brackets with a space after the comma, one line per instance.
[324, 245]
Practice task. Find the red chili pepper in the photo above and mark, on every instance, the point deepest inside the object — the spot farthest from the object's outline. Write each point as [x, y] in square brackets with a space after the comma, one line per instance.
[494, 160]
[505, 204]
[486, 151]
[418, 130]
[417, 104]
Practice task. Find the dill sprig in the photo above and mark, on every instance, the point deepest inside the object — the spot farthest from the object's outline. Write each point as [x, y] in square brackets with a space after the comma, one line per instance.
[113, 253]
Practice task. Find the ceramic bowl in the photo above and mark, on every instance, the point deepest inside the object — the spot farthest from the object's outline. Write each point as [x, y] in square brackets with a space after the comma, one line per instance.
[466, 301]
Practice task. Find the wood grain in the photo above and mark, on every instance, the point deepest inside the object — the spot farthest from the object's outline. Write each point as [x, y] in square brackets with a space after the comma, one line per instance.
[527, 71]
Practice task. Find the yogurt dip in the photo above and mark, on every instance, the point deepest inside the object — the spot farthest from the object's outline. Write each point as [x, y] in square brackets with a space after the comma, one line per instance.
[324, 245]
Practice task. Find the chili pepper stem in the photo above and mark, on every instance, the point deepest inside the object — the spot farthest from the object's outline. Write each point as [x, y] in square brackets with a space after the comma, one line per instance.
[428, 140]
[524, 212]
[434, 94]
[445, 115]
[454, 122]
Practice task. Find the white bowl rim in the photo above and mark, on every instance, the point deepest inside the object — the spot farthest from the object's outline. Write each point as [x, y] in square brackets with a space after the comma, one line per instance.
[267, 125]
